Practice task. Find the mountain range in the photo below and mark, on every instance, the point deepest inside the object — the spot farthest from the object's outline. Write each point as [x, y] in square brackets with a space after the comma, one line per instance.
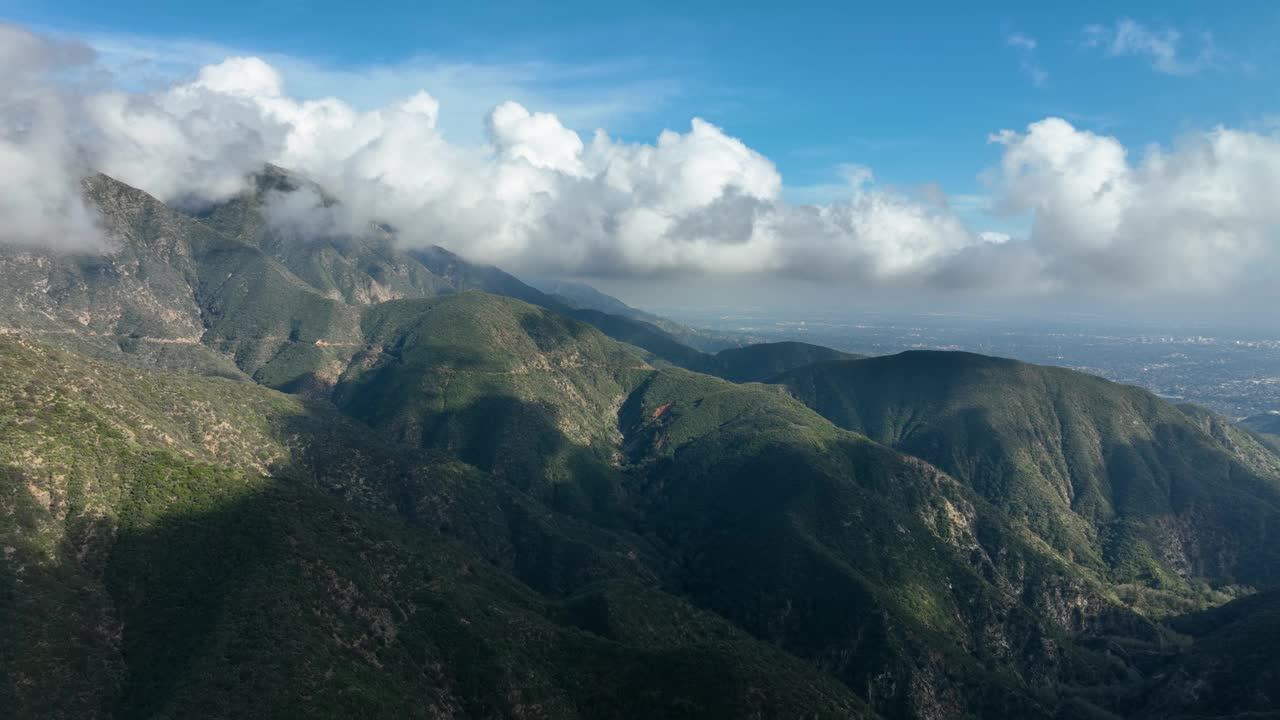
[252, 468]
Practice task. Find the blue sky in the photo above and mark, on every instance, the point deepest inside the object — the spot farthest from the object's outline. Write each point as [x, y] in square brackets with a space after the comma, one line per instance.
[910, 89]
[966, 149]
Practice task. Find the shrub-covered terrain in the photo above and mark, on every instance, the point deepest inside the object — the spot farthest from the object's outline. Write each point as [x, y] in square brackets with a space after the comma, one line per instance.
[1163, 502]
[250, 472]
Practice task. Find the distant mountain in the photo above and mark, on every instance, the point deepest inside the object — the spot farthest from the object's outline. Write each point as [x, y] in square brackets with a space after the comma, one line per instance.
[283, 306]
[757, 363]
[360, 268]
[581, 296]
[174, 293]
[751, 363]
[476, 500]
[369, 268]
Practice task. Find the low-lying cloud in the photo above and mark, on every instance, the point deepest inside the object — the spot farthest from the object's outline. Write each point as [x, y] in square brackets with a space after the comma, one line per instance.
[539, 197]
[40, 198]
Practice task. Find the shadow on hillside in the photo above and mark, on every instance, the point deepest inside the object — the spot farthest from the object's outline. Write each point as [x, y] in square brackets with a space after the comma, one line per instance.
[170, 580]
[279, 602]
[547, 329]
[57, 655]
[511, 486]
[387, 379]
[518, 441]
[521, 443]
[1226, 669]
[744, 549]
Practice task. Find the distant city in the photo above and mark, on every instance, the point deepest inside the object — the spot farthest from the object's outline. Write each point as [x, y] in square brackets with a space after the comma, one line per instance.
[1234, 372]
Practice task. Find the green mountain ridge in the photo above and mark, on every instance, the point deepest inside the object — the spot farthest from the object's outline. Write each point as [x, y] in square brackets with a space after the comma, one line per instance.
[369, 268]
[189, 533]
[478, 501]
[192, 486]
[1110, 476]
[760, 362]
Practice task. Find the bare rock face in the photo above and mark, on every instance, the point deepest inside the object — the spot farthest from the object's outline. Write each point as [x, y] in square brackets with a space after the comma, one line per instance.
[170, 291]
[235, 289]
[141, 284]
[295, 222]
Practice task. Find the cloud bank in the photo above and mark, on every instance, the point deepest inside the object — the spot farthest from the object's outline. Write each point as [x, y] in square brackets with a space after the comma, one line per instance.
[538, 197]
[40, 200]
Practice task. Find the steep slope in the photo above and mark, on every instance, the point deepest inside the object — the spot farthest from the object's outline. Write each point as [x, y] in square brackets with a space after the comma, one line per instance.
[171, 292]
[755, 504]
[190, 536]
[463, 275]
[140, 298]
[693, 534]
[661, 344]
[357, 268]
[495, 510]
[229, 291]
[509, 387]
[580, 295]
[1255, 450]
[1230, 668]
[367, 267]
[1111, 477]
[506, 386]
[877, 567]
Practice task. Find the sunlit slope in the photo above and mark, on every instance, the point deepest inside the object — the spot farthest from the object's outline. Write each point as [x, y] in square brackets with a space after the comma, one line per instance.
[1110, 476]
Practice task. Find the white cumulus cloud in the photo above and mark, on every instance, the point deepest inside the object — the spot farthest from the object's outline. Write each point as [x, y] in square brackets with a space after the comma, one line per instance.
[40, 198]
[1199, 215]
[1192, 217]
